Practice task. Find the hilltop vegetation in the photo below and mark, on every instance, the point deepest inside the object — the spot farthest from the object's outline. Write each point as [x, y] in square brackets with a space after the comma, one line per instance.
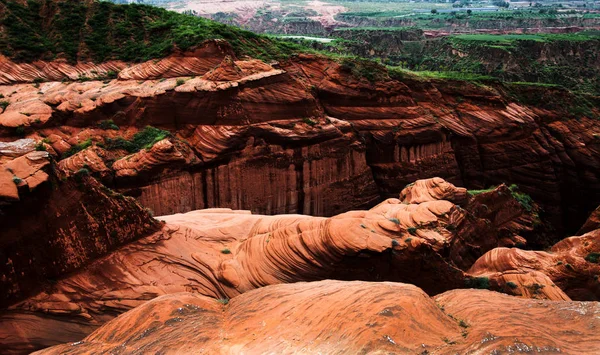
[99, 31]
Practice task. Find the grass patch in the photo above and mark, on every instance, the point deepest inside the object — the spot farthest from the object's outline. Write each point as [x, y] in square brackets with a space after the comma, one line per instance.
[593, 258]
[477, 192]
[478, 282]
[77, 148]
[144, 139]
[108, 124]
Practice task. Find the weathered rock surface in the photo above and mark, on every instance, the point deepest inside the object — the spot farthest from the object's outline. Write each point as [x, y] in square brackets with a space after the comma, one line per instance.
[333, 317]
[53, 225]
[571, 265]
[312, 130]
[222, 254]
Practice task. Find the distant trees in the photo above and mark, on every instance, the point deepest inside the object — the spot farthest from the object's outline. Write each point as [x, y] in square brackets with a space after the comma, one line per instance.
[434, 11]
[501, 4]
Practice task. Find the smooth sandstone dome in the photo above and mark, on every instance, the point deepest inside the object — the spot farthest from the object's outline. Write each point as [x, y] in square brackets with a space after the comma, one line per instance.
[336, 317]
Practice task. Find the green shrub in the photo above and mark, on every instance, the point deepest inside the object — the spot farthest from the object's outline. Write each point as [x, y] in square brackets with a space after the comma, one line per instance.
[179, 82]
[17, 180]
[394, 220]
[223, 300]
[511, 284]
[226, 251]
[4, 104]
[412, 230]
[77, 148]
[83, 172]
[525, 200]
[148, 137]
[40, 147]
[593, 258]
[478, 282]
[20, 131]
[144, 139]
[309, 122]
[108, 124]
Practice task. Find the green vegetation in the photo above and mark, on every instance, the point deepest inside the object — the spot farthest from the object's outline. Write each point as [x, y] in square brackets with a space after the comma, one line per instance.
[412, 230]
[82, 172]
[17, 180]
[4, 104]
[179, 82]
[108, 31]
[108, 124]
[477, 192]
[593, 258]
[77, 148]
[478, 282]
[511, 285]
[309, 121]
[226, 251]
[40, 147]
[223, 300]
[394, 220]
[525, 200]
[144, 139]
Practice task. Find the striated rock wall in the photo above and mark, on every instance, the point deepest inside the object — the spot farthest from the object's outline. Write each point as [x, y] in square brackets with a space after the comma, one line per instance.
[52, 225]
[319, 130]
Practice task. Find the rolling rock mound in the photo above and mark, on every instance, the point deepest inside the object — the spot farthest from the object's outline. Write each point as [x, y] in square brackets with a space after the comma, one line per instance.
[308, 130]
[335, 317]
[428, 237]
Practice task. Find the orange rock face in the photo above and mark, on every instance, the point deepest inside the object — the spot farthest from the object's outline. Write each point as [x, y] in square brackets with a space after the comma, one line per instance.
[53, 224]
[329, 133]
[332, 317]
[223, 253]
[271, 144]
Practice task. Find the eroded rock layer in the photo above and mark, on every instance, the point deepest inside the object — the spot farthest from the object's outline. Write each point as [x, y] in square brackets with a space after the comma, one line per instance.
[425, 238]
[334, 317]
[307, 130]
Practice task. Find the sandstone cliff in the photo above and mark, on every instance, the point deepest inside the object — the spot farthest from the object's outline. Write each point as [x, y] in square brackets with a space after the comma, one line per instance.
[291, 140]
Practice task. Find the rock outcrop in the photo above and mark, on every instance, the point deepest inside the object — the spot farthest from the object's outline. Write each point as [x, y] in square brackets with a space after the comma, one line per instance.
[308, 129]
[53, 225]
[330, 317]
[223, 253]
[571, 266]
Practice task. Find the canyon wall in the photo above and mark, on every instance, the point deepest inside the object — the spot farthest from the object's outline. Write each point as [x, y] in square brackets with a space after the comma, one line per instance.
[309, 135]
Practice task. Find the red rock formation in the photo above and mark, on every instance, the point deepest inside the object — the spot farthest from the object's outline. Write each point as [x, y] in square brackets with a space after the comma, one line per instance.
[331, 316]
[52, 225]
[400, 131]
[224, 253]
[571, 266]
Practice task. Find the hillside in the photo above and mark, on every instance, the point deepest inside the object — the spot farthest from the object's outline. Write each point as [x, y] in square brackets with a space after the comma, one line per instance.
[100, 31]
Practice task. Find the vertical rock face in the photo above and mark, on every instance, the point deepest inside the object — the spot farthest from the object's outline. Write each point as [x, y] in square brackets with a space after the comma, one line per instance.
[54, 225]
[270, 179]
